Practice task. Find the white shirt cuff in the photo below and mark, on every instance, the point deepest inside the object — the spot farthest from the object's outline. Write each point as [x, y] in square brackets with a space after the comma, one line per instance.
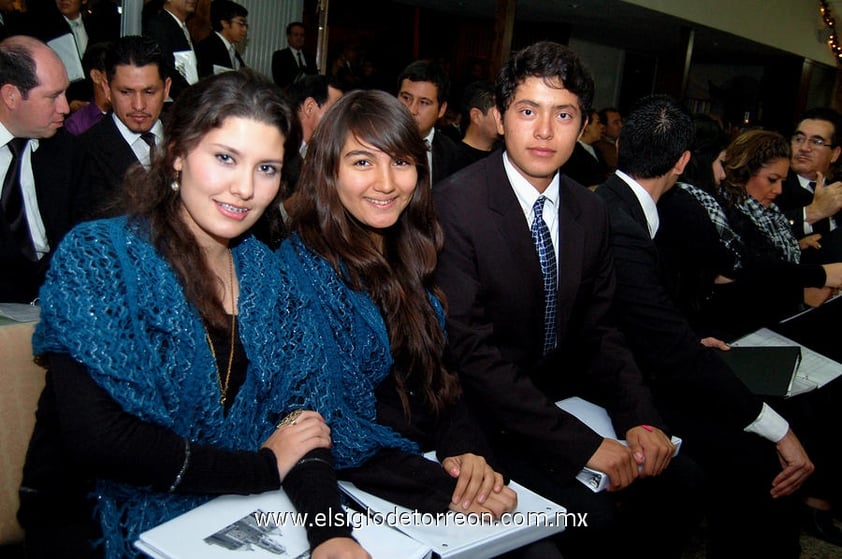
[769, 425]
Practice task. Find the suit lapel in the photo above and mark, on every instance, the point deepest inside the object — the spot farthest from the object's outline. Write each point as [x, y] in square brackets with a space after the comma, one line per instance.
[570, 254]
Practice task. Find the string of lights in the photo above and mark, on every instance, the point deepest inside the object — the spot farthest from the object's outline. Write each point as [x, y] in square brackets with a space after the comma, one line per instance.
[830, 25]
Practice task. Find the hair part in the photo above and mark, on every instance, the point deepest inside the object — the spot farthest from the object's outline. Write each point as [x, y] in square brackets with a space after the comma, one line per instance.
[655, 134]
[200, 109]
[399, 278]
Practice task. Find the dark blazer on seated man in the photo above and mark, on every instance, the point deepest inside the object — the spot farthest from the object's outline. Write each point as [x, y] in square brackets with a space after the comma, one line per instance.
[105, 159]
[285, 68]
[164, 30]
[54, 173]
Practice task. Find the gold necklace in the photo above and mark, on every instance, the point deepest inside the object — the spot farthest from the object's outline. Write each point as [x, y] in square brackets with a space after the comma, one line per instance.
[223, 387]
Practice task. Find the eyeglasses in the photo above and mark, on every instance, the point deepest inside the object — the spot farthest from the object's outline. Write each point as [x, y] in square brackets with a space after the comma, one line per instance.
[815, 141]
[240, 22]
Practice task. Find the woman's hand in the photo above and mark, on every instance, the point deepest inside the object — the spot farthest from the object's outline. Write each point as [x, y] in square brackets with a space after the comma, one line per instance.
[339, 548]
[479, 488]
[292, 441]
[810, 241]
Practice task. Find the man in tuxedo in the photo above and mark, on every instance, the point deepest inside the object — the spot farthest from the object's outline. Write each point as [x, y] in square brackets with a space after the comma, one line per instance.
[290, 63]
[168, 28]
[811, 197]
[752, 458]
[230, 27]
[424, 87]
[137, 89]
[525, 332]
[36, 162]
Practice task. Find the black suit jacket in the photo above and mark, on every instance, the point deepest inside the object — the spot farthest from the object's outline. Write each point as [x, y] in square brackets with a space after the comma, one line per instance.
[584, 168]
[445, 153]
[490, 273]
[105, 157]
[285, 68]
[690, 380]
[163, 29]
[211, 52]
[55, 179]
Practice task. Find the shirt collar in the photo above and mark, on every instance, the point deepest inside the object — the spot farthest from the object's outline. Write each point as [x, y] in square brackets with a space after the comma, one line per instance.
[5, 136]
[225, 41]
[647, 203]
[131, 136]
[525, 193]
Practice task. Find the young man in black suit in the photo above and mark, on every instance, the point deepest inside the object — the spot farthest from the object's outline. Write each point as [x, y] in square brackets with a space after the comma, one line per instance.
[36, 162]
[230, 27]
[168, 28]
[289, 63]
[524, 332]
[752, 458]
[137, 88]
[424, 88]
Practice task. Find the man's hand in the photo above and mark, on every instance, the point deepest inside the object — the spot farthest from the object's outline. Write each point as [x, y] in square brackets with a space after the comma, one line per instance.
[651, 448]
[797, 466]
[827, 200]
[616, 460]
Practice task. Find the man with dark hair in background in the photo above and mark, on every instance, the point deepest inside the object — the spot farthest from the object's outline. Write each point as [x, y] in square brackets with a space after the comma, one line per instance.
[291, 63]
[218, 51]
[480, 123]
[423, 87]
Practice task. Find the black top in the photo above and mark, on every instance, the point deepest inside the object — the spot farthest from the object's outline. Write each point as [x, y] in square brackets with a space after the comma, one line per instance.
[82, 433]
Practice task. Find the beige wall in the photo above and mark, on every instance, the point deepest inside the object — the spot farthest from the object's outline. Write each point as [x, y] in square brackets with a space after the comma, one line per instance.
[789, 25]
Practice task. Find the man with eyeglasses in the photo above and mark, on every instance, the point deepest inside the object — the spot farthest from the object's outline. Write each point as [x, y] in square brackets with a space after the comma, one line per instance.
[810, 198]
[218, 51]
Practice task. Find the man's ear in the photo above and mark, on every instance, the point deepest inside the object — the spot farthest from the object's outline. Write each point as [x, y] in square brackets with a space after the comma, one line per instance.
[442, 109]
[107, 88]
[836, 152]
[682, 162]
[476, 115]
[498, 118]
[10, 94]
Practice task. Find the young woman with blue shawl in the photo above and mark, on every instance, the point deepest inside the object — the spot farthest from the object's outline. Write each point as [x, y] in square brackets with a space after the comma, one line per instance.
[174, 346]
[362, 252]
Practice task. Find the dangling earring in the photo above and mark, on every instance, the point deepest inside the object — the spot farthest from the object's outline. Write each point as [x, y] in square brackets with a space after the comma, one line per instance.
[174, 184]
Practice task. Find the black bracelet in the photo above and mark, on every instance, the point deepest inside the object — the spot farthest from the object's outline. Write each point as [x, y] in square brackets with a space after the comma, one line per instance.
[183, 466]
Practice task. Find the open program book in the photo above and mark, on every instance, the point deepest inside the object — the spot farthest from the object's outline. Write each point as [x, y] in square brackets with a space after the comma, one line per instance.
[814, 371]
[262, 526]
[596, 418]
[458, 536]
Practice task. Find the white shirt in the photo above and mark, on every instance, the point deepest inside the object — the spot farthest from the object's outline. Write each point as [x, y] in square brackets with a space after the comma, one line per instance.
[768, 424]
[27, 182]
[526, 195]
[295, 53]
[589, 148]
[229, 46]
[79, 33]
[140, 148]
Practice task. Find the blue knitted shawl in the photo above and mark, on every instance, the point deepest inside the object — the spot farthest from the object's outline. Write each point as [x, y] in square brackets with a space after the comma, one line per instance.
[356, 344]
[113, 304]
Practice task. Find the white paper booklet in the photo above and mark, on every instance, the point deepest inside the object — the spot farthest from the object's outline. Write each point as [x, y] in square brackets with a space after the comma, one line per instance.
[262, 526]
[459, 536]
[815, 369]
[65, 47]
[596, 418]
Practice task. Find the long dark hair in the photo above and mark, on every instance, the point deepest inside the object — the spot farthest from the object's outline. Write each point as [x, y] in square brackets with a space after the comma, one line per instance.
[709, 141]
[198, 110]
[399, 278]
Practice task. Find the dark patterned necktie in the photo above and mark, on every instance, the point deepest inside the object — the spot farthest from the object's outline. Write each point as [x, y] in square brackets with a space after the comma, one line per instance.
[300, 61]
[149, 138]
[546, 255]
[14, 211]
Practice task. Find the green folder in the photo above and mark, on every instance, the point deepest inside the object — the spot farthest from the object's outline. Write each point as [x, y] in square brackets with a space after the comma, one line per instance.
[766, 371]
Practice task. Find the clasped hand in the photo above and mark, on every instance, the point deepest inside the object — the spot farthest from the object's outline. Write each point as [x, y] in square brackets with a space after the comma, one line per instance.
[479, 488]
[291, 442]
[648, 453]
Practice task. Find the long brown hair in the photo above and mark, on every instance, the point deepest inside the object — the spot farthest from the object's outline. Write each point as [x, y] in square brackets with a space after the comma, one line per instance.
[400, 278]
[744, 158]
[198, 110]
